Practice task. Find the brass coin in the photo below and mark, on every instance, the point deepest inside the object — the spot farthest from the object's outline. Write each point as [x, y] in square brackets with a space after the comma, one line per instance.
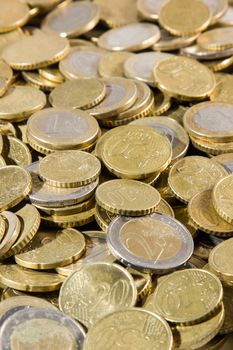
[215, 344]
[192, 295]
[12, 232]
[20, 102]
[112, 64]
[216, 39]
[220, 260]
[211, 121]
[213, 148]
[228, 306]
[227, 18]
[10, 37]
[131, 37]
[184, 182]
[195, 51]
[169, 42]
[8, 129]
[15, 152]
[162, 103]
[14, 186]
[6, 75]
[218, 9]
[184, 17]
[222, 197]
[36, 51]
[69, 169]
[165, 208]
[78, 297]
[181, 214]
[184, 78]
[149, 329]
[136, 152]
[204, 216]
[52, 73]
[149, 9]
[72, 19]
[12, 19]
[226, 160]
[17, 277]
[81, 93]
[219, 65]
[223, 91]
[34, 79]
[103, 217]
[127, 197]
[2, 162]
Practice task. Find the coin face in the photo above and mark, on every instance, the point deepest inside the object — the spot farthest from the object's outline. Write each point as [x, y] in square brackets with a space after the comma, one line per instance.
[119, 325]
[112, 64]
[216, 39]
[226, 160]
[131, 37]
[220, 260]
[16, 152]
[127, 197]
[96, 290]
[191, 296]
[155, 243]
[12, 19]
[223, 197]
[223, 91]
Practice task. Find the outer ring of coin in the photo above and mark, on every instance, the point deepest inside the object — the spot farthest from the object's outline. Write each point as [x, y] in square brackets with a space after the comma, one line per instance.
[3, 227]
[195, 52]
[121, 253]
[217, 207]
[174, 44]
[39, 313]
[213, 148]
[226, 277]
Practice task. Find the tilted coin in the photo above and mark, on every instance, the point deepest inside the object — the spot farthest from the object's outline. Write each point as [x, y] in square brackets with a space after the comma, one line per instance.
[14, 186]
[36, 80]
[15, 152]
[223, 91]
[66, 248]
[181, 214]
[220, 260]
[149, 9]
[194, 174]
[150, 330]
[205, 243]
[216, 343]
[6, 74]
[51, 196]
[184, 78]
[170, 128]
[20, 102]
[227, 18]
[218, 8]
[191, 296]
[169, 42]
[36, 51]
[127, 197]
[211, 121]
[17, 277]
[52, 328]
[228, 306]
[12, 19]
[162, 103]
[72, 19]
[184, 17]
[216, 39]
[52, 73]
[195, 51]
[222, 197]
[120, 95]
[155, 243]
[131, 37]
[3, 227]
[69, 168]
[203, 214]
[136, 152]
[12, 232]
[112, 64]
[140, 66]
[211, 147]
[81, 93]
[82, 62]
[103, 217]
[79, 299]
[219, 65]
[8, 129]
[7, 38]
[225, 160]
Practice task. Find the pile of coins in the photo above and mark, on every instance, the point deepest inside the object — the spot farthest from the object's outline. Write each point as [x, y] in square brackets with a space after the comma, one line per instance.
[116, 174]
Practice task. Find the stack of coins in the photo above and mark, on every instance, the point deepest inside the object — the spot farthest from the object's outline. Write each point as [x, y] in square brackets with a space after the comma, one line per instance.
[118, 115]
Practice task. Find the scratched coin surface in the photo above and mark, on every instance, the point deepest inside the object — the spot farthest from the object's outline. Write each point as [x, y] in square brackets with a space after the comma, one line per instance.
[155, 243]
[95, 290]
[69, 168]
[223, 198]
[187, 296]
[221, 259]
[15, 185]
[127, 197]
[136, 152]
[133, 327]
[184, 78]
[194, 174]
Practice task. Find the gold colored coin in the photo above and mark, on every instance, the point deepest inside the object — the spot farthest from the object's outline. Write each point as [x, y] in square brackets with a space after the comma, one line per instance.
[136, 152]
[205, 217]
[216, 39]
[10, 37]
[211, 121]
[17, 277]
[184, 17]
[78, 297]
[37, 81]
[226, 160]
[8, 129]
[181, 214]
[194, 174]
[165, 208]
[219, 65]
[227, 326]
[224, 90]
[81, 93]
[30, 222]
[20, 102]
[143, 283]
[127, 197]
[13, 14]
[149, 9]
[149, 329]
[52, 73]
[192, 296]
[69, 169]
[222, 197]
[6, 75]
[3, 227]
[184, 78]
[213, 148]
[72, 19]
[112, 64]
[221, 260]
[130, 37]
[66, 248]
[2, 162]
[161, 105]
[103, 217]
[218, 9]
[15, 185]
[36, 51]
[15, 152]
[169, 42]
[12, 232]
[116, 13]
[121, 94]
